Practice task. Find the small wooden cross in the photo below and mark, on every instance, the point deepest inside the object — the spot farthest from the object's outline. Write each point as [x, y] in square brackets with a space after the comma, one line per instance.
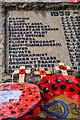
[21, 73]
[42, 72]
[62, 68]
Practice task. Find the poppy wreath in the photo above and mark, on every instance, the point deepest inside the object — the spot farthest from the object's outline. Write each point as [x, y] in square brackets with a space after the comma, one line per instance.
[56, 85]
[49, 86]
[34, 113]
[27, 100]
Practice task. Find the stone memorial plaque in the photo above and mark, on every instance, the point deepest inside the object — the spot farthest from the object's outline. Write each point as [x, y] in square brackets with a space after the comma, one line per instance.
[42, 39]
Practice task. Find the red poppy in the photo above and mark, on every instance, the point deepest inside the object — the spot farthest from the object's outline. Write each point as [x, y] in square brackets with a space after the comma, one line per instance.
[72, 1]
[59, 81]
[47, 93]
[61, 67]
[50, 79]
[50, 85]
[67, 85]
[22, 71]
[71, 78]
[76, 97]
[44, 78]
[42, 72]
[73, 87]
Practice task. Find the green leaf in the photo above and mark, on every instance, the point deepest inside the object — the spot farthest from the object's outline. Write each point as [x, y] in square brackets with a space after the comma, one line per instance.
[42, 105]
[41, 115]
[40, 90]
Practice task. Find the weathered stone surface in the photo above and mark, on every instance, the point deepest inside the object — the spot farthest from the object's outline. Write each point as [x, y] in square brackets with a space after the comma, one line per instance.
[54, 1]
[9, 5]
[46, 23]
[0, 8]
[1, 46]
[32, 0]
[1, 42]
[7, 78]
[1, 19]
[1, 59]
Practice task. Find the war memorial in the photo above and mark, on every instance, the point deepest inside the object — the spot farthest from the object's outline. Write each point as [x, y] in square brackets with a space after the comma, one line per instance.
[40, 38]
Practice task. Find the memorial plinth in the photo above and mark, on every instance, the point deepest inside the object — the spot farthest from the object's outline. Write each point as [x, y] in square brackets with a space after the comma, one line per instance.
[42, 39]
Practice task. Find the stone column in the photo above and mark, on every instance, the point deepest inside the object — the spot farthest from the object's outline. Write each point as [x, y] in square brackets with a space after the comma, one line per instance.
[2, 66]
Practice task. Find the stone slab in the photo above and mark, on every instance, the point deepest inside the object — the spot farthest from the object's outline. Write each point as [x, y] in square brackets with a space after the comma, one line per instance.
[0, 8]
[1, 18]
[32, 0]
[42, 39]
[54, 1]
[1, 40]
